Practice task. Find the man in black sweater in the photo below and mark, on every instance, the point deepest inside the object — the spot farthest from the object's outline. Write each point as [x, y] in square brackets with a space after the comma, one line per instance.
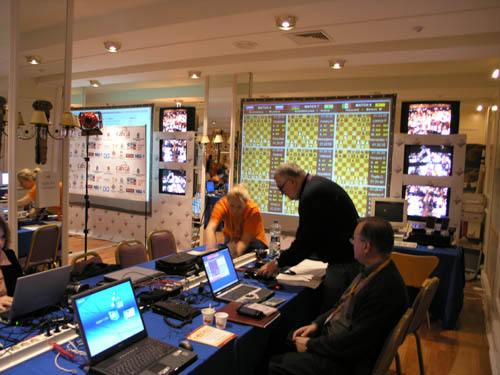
[348, 338]
[327, 218]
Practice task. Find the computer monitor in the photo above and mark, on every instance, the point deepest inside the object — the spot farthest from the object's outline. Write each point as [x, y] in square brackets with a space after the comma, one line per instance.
[5, 179]
[391, 209]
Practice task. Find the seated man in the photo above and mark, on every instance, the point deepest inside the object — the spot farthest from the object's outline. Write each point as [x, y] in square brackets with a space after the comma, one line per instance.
[348, 338]
[243, 227]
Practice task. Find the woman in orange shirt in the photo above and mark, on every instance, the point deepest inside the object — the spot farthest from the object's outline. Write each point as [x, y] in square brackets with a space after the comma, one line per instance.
[243, 227]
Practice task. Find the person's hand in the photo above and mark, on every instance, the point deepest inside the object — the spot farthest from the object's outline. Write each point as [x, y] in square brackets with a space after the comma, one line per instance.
[301, 344]
[5, 303]
[268, 269]
[304, 331]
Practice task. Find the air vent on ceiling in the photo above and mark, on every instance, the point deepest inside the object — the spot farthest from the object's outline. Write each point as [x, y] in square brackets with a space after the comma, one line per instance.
[310, 37]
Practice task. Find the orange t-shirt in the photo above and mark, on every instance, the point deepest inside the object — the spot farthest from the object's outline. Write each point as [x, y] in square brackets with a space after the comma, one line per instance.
[250, 222]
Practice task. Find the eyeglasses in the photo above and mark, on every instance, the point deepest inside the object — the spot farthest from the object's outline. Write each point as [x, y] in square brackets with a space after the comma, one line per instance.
[280, 188]
[359, 238]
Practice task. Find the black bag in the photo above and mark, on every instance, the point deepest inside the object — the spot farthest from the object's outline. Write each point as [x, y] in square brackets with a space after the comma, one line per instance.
[182, 264]
[94, 269]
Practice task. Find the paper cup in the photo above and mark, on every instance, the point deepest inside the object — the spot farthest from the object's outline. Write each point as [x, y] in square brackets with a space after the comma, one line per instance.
[221, 319]
[208, 315]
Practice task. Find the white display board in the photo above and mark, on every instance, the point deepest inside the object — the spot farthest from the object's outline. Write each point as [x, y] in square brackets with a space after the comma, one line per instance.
[47, 190]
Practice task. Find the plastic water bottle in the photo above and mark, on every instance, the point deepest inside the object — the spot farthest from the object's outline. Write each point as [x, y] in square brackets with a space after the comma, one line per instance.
[275, 246]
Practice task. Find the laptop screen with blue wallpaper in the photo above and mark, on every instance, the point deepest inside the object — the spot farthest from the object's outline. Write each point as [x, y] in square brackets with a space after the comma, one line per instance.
[108, 317]
[220, 270]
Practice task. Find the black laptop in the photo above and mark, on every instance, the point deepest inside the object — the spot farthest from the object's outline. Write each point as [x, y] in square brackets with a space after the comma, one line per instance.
[224, 282]
[115, 336]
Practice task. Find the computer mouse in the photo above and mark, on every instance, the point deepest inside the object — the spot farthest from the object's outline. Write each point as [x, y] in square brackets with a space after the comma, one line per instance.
[186, 345]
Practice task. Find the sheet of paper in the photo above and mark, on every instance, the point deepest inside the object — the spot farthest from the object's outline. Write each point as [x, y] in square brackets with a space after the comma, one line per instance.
[211, 336]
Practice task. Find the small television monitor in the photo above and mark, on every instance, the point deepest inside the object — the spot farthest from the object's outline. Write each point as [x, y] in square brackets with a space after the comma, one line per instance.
[173, 150]
[210, 186]
[172, 181]
[427, 200]
[5, 178]
[177, 119]
[430, 117]
[425, 160]
[391, 209]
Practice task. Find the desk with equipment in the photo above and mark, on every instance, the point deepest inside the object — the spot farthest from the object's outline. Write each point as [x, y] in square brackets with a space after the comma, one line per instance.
[238, 356]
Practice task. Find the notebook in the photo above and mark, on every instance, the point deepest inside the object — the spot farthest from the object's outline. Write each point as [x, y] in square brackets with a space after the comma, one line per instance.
[37, 291]
[136, 274]
[113, 331]
[224, 281]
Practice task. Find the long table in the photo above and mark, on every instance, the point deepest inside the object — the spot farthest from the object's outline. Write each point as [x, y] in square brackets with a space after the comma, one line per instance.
[240, 356]
[448, 301]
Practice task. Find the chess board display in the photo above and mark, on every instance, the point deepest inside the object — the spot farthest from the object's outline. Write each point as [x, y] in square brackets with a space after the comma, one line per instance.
[345, 140]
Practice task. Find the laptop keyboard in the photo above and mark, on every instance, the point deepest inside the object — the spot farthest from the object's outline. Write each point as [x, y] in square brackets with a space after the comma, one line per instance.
[135, 360]
[239, 291]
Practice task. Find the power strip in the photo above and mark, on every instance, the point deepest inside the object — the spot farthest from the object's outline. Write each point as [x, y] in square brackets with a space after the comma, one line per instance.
[35, 346]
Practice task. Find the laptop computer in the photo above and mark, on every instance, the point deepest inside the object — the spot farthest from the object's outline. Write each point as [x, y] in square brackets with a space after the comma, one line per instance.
[136, 274]
[37, 291]
[115, 337]
[224, 282]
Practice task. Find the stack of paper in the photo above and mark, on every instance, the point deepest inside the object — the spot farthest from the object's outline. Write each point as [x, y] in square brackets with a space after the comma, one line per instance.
[307, 273]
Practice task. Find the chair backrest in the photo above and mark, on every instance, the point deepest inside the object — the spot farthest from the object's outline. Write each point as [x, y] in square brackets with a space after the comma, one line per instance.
[422, 302]
[43, 247]
[78, 265]
[392, 343]
[414, 268]
[161, 243]
[130, 253]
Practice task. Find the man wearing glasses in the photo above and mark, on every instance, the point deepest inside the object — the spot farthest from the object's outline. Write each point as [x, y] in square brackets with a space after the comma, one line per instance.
[327, 218]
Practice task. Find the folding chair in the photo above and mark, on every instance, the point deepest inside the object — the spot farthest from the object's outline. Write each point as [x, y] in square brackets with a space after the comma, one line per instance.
[43, 248]
[161, 243]
[130, 253]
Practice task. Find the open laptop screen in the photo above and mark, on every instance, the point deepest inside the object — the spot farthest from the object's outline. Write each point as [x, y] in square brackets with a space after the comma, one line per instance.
[220, 270]
[108, 316]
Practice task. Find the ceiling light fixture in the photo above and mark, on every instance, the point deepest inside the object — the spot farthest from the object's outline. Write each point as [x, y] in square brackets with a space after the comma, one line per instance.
[479, 108]
[112, 46]
[33, 60]
[194, 75]
[495, 74]
[337, 64]
[94, 83]
[286, 22]
[494, 108]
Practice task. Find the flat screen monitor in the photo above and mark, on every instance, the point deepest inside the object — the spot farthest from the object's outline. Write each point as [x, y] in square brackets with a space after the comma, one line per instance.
[172, 181]
[210, 186]
[177, 119]
[173, 150]
[391, 209]
[430, 117]
[425, 160]
[426, 200]
[5, 178]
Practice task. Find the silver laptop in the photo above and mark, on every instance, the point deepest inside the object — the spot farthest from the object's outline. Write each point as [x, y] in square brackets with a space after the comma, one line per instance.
[37, 291]
[224, 282]
[136, 274]
[115, 337]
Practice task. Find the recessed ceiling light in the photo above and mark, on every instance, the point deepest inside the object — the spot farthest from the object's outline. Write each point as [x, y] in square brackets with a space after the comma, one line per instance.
[495, 74]
[112, 46]
[94, 83]
[337, 64]
[479, 108]
[33, 60]
[494, 108]
[286, 22]
[194, 75]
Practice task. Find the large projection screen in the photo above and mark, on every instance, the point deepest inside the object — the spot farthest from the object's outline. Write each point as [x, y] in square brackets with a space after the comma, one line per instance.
[119, 160]
[347, 140]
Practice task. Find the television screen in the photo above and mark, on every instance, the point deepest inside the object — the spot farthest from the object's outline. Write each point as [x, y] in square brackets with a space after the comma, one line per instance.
[5, 178]
[346, 140]
[172, 181]
[178, 119]
[424, 200]
[425, 160]
[425, 118]
[173, 150]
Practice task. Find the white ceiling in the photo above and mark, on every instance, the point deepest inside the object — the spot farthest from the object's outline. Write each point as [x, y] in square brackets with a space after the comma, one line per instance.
[163, 39]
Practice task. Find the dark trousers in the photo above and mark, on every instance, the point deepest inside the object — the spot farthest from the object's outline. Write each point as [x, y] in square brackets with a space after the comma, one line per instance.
[302, 364]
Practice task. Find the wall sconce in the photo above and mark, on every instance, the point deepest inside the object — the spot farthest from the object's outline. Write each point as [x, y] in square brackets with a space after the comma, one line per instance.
[337, 64]
[112, 46]
[495, 74]
[33, 60]
[494, 108]
[286, 23]
[479, 108]
[194, 75]
[204, 139]
[94, 83]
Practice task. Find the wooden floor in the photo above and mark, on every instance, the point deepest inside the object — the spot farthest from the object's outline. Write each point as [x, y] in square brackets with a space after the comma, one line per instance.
[459, 352]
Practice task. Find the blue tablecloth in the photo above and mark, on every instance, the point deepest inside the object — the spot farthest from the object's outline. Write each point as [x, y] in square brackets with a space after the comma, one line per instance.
[448, 301]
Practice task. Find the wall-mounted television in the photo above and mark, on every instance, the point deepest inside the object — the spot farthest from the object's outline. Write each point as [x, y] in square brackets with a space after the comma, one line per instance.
[5, 178]
[173, 150]
[177, 119]
[426, 200]
[430, 117]
[172, 181]
[428, 160]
